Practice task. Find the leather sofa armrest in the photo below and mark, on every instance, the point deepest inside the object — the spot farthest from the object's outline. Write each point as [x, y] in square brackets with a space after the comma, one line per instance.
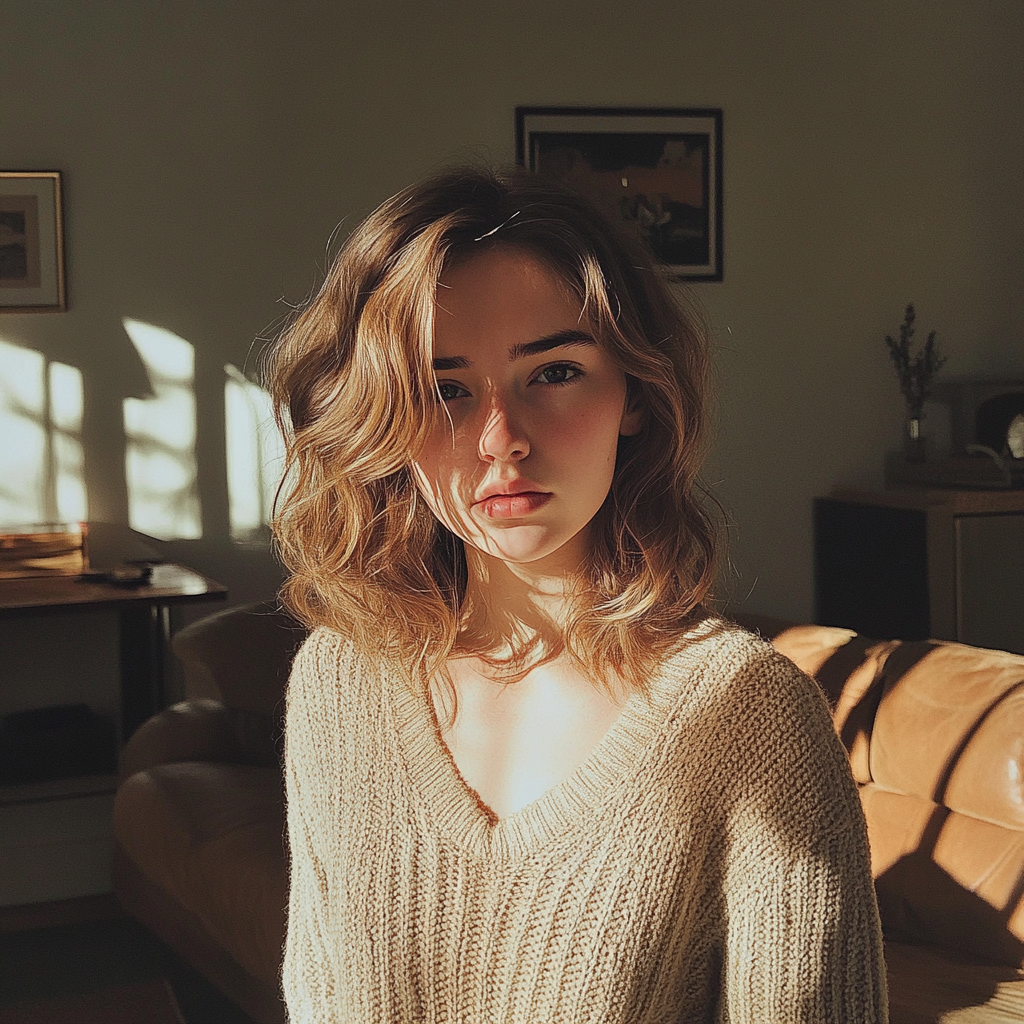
[240, 657]
[202, 730]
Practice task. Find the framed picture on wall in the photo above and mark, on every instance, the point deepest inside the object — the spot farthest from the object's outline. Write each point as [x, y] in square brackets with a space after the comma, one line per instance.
[659, 170]
[31, 242]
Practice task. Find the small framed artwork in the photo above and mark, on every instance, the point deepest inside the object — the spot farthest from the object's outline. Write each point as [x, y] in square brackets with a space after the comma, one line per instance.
[31, 242]
[659, 170]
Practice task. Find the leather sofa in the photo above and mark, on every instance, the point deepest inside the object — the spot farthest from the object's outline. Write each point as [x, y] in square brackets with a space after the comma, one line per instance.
[200, 855]
[935, 734]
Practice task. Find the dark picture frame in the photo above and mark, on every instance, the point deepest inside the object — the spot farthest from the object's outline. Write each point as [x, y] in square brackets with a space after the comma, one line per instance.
[32, 276]
[657, 169]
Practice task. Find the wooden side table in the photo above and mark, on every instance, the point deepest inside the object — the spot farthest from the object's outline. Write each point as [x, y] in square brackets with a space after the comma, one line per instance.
[143, 613]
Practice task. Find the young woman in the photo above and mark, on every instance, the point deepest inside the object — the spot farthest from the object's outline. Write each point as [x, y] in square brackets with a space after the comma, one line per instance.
[530, 778]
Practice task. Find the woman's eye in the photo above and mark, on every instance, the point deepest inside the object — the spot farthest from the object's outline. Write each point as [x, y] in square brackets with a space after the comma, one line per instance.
[559, 373]
[447, 390]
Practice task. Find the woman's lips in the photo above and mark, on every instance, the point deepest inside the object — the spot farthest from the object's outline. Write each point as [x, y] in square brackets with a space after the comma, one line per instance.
[512, 506]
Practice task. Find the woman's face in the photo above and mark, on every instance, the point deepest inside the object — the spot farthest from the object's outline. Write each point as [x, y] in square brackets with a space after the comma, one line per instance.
[524, 456]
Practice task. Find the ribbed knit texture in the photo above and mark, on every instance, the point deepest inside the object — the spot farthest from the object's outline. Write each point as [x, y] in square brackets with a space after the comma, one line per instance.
[708, 862]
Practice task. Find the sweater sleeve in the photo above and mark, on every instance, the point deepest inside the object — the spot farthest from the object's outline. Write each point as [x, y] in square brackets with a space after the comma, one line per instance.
[803, 942]
[307, 975]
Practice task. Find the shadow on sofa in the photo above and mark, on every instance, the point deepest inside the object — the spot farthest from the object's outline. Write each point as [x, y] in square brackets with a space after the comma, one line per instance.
[934, 732]
[927, 987]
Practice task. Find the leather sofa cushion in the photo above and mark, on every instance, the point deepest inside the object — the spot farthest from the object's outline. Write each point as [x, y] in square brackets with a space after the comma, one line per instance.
[966, 703]
[946, 878]
[966, 706]
[203, 730]
[212, 836]
[944, 803]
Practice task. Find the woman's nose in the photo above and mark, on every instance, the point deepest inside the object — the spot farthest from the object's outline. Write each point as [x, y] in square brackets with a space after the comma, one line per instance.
[502, 439]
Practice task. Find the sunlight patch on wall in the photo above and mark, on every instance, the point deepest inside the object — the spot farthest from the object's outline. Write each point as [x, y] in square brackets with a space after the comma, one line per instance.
[67, 404]
[41, 460]
[255, 454]
[160, 458]
[23, 428]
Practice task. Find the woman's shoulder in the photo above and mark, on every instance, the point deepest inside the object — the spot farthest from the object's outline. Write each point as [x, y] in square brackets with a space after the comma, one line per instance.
[775, 729]
[326, 654]
[744, 666]
[321, 642]
[759, 706]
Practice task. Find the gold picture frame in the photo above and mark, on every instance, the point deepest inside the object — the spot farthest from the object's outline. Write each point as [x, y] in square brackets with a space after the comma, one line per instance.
[32, 276]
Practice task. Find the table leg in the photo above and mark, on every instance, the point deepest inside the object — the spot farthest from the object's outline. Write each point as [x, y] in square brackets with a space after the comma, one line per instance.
[145, 634]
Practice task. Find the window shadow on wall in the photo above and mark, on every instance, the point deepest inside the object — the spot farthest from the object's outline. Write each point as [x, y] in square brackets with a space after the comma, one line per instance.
[44, 423]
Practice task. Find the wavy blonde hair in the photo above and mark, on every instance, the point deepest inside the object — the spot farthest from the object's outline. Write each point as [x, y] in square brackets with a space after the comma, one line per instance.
[355, 396]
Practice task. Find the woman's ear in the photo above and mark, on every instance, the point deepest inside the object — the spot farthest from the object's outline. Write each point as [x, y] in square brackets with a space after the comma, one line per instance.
[633, 414]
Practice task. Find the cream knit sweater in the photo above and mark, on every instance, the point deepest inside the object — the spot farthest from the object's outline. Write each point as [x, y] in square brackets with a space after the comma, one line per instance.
[708, 862]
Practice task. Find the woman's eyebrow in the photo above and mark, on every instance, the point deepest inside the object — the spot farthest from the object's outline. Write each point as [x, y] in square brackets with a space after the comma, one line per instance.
[535, 348]
[523, 349]
[451, 363]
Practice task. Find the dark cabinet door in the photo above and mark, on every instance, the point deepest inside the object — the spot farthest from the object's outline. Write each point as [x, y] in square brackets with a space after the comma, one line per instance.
[990, 581]
[871, 569]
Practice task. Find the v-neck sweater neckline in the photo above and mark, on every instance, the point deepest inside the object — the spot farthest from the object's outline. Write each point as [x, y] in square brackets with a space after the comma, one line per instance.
[459, 813]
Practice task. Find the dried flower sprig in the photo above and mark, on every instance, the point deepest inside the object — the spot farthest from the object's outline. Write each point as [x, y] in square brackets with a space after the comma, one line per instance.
[915, 373]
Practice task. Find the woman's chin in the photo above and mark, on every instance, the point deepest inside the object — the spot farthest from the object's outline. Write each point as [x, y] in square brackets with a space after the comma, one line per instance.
[534, 547]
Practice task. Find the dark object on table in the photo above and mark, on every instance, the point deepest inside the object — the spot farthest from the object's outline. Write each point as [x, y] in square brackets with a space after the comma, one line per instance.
[131, 574]
[980, 411]
[115, 544]
[56, 743]
[993, 419]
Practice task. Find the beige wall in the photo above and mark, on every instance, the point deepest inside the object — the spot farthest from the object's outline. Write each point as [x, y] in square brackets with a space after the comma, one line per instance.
[873, 156]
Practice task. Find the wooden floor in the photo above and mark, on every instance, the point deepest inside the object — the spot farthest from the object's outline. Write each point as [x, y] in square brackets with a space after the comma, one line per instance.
[72, 947]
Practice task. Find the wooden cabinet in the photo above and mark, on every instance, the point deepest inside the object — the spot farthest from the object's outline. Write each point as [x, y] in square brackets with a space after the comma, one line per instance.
[914, 564]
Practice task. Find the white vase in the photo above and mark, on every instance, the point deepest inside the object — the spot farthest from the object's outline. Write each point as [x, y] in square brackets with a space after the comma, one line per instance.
[915, 445]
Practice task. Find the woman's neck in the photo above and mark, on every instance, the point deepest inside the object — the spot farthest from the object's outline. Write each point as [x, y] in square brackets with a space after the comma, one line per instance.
[515, 610]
